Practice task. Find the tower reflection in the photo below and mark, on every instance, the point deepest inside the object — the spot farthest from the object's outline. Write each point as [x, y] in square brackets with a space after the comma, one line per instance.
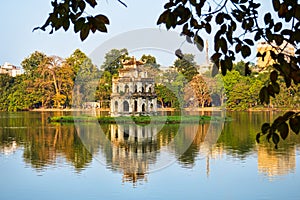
[134, 148]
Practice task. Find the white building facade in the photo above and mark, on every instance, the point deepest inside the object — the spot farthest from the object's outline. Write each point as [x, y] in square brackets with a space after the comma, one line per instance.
[133, 91]
[10, 69]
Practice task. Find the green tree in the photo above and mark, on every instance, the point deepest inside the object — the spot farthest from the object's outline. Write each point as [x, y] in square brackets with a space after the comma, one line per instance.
[6, 84]
[150, 61]
[104, 89]
[31, 63]
[113, 60]
[186, 66]
[77, 60]
[85, 75]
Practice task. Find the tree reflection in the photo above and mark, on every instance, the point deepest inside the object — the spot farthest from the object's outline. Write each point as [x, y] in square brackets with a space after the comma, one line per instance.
[134, 150]
[273, 162]
[43, 144]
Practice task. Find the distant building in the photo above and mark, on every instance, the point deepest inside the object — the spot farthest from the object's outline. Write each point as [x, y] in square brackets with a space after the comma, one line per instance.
[133, 91]
[10, 69]
[264, 47]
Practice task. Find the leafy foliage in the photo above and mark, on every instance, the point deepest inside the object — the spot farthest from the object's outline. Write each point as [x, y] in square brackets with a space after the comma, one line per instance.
[195, 16]
[280, 128]
[113, 60]
[67, 12]
[186, 66]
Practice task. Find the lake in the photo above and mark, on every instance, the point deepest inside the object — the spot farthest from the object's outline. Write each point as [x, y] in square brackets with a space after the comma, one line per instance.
[215, 160]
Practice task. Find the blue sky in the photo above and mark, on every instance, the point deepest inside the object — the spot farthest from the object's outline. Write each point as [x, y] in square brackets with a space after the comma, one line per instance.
[18, 18]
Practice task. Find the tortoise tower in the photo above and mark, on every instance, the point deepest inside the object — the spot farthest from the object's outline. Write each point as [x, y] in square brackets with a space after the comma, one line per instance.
[133, 91]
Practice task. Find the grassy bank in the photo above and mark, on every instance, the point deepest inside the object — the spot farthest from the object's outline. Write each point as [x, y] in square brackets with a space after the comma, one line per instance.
[137, 120]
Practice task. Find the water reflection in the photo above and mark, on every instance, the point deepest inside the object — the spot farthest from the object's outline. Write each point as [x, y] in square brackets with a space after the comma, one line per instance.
[134, 150]
[274, 163]
[132, 146]
[43, 144]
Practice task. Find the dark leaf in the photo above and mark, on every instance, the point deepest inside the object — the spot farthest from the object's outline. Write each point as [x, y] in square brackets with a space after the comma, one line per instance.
[264, 95]
[84, 32]
[168, 5]
[208, 18]
[101, 27]
[278, 39]
[276, 5]
[199, 42]
[257, 36]
[267, 18]
[274, 76]
[265, 127]
[283, 129]
[257, 137]
[223, 67]
[223, 45]
[246, 51]
[275, 138]
[102, 18]
[287, 81]
[220, 18]
[288, 114]
[271, 91]
[295, 124]
[79, 24]
[66, 24]
[163, 17]
[92, 3]
[248, 41]
[238, 47]
[278, 120]
[81, 5]
[215, 57]
[228, 63]
[208, 28]
[277, 26]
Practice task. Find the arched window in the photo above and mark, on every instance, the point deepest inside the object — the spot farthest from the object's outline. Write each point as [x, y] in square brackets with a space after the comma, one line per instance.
[143, 89]
[149, 89]
[125, 106]
[135, 88]
[151, 106]
[143, 108]
[126, 88]
[135, 105]
[116, 106]
[118, 89]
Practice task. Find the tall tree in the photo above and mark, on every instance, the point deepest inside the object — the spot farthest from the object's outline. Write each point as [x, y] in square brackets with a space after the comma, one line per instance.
[196, 92]
[104, 89]
[186, 66]
[85, 75]
[113, 60]
[31, 63]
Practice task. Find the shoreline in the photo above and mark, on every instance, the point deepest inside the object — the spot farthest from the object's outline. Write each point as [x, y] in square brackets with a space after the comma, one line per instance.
[205, 109]
[138, 120]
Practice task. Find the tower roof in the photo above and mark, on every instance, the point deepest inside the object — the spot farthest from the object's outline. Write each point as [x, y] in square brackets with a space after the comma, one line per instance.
[132, 61]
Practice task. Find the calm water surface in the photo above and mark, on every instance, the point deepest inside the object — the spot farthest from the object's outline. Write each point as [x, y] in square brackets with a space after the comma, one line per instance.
[66, 161]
